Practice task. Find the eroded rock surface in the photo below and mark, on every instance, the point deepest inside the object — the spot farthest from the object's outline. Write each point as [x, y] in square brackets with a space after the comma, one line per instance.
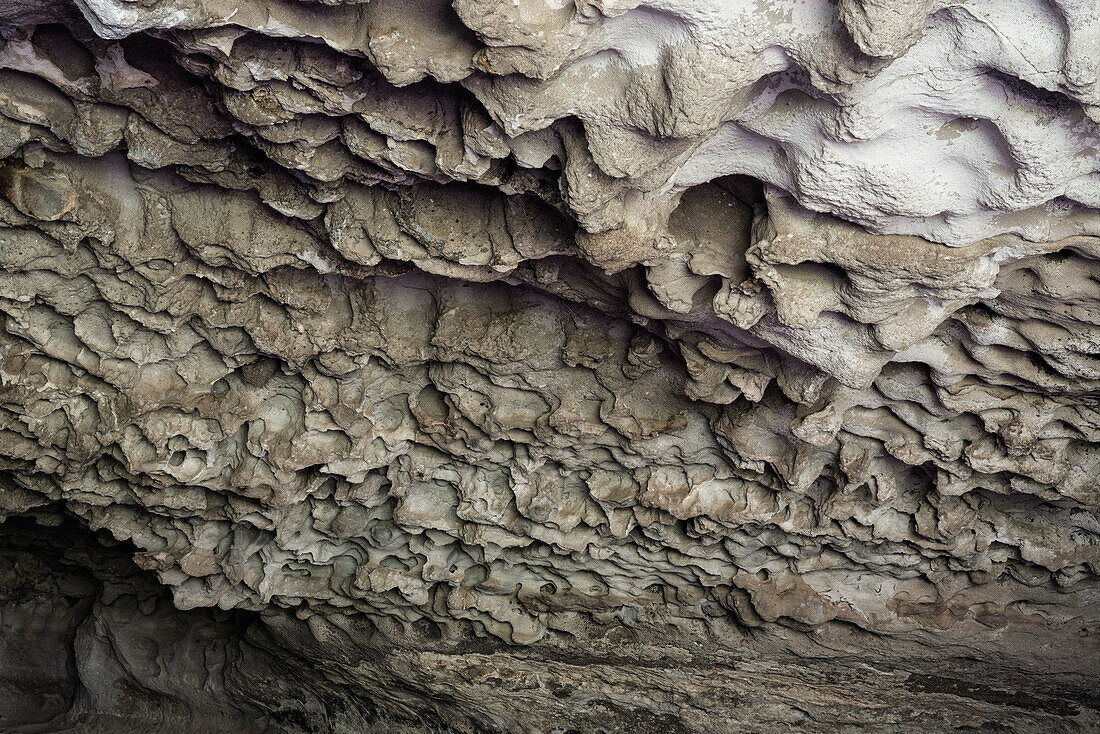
[481, 366]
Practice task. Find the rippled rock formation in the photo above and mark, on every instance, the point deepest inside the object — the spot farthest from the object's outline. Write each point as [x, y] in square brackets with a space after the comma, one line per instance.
[557, 367]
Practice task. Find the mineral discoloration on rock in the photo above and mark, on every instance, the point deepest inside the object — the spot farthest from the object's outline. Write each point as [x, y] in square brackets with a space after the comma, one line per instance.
[679, 367]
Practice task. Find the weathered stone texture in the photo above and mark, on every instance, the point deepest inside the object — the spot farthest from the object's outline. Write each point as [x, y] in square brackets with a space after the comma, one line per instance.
[479, 366]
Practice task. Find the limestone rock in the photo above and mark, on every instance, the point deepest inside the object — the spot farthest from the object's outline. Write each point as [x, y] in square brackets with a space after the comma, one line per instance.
[546, 367]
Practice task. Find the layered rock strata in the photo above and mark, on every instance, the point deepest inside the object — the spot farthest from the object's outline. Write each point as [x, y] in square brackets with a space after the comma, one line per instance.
[693, 366]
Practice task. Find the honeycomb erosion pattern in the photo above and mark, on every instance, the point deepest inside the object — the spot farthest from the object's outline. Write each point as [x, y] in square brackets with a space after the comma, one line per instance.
[489, 366]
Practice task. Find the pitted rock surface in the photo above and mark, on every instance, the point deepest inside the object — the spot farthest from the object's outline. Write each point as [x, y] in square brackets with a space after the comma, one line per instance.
[691, 366]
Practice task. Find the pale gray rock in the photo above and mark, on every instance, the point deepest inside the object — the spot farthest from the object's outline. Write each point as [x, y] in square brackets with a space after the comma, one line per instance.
[549, 367]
